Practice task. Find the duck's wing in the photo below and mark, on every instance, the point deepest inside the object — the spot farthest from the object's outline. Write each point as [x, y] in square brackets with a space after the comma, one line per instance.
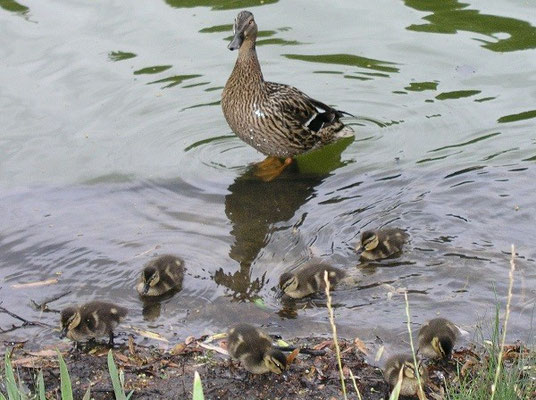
[299, 111]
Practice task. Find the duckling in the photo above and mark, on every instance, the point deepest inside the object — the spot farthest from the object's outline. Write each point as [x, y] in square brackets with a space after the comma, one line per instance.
[254, 349]
[91, 320]
[404, 362]
[437, 338]
[161, 275]
[309, 280]
[278, 120]
[382, 243]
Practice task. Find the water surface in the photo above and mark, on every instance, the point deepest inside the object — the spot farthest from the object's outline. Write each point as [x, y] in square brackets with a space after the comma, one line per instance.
[114, 150]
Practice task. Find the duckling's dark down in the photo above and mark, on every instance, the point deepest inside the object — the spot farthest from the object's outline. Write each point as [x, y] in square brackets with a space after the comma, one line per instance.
[437, 338]
[309, 280]
[160, 276]
[404, 362]
[278, 120]
[254, 349]
[91, 320]
[383, 243]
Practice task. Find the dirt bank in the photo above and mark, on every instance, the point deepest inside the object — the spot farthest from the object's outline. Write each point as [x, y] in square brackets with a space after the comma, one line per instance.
[157, 374]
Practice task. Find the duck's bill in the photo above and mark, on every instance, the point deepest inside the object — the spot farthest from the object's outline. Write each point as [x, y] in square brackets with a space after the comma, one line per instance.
[146, 288]
[236, 42]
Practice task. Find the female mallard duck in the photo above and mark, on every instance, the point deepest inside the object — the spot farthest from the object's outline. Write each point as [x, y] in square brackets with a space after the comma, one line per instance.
[309, 279]
[404, 363]
[253, 348]
[382, 243]
[161, 275]
[278, 120]
[91, 320]
[437, 338]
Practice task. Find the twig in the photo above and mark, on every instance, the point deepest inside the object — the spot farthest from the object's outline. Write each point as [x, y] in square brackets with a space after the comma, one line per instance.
[303, 350]
[24, 321]
[420, 391]
[334, 330]
[506, 316]
[43, 306]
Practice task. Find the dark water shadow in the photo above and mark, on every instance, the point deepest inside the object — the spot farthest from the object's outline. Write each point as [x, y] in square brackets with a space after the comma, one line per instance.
[152, 305]
[451, 16]
[254, 207]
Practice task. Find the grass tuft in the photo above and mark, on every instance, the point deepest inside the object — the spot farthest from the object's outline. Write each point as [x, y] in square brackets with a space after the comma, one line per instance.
[493, 377]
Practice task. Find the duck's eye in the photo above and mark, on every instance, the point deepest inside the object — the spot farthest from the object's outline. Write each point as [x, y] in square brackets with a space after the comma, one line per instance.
[250, 21]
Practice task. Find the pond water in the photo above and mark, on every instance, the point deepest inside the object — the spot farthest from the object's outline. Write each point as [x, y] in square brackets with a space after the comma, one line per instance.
[114, 149]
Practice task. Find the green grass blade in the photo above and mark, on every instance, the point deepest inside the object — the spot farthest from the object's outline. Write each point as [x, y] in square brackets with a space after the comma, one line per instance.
[22, 392]
[395, 394]
[114, 376]
[11, 385]
[396, 391]
[65, 380]
[198, 388]
[87, 395]
[41, 386]
[2, 396]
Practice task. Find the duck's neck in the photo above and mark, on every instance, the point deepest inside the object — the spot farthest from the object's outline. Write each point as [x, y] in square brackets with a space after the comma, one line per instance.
[247, 64]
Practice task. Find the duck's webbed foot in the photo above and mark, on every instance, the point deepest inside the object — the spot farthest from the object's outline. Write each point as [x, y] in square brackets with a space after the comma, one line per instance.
[271, 168]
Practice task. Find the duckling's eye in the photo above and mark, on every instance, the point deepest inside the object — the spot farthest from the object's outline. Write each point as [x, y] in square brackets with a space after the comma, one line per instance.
[250, 21]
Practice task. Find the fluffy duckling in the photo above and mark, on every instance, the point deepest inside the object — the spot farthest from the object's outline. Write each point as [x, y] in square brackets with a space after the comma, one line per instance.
[437, 338]
[253, 348]
[91, 320]
[382, 243]
[309, 280]
[161, 275]
[404, 363]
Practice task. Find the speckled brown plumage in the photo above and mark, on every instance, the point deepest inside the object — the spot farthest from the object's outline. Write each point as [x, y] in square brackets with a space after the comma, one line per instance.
[384, 243]
[278, 120]
[437, 338]
[91, 320]
[309, 279]
[410, 384]
[254, 349]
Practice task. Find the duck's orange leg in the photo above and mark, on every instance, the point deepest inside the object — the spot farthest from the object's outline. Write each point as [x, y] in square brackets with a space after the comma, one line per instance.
[271, 168]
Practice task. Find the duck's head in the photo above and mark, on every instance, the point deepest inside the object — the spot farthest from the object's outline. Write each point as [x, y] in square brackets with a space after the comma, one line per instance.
[244, 28]
[442, 346]
[369, 240]
[151, 277]
[275, 361]
[288, 282]
[70, 319]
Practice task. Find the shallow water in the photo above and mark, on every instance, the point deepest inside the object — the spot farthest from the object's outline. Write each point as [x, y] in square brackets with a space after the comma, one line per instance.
[114, 149]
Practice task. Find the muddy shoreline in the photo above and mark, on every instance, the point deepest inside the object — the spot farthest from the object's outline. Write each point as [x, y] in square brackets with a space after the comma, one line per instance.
[157, 374]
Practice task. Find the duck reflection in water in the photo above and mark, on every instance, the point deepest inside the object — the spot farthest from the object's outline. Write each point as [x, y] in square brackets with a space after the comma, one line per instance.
[254, 207]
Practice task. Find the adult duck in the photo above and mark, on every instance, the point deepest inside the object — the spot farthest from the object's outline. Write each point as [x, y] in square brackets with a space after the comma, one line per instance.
[278, 120]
